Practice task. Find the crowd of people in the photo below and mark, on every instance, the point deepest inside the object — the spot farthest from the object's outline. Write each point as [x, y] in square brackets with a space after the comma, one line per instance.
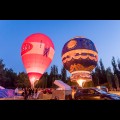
[38, 93]
[29, 93]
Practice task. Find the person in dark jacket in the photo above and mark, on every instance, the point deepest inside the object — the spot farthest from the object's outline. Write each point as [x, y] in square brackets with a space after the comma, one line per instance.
[25, 94]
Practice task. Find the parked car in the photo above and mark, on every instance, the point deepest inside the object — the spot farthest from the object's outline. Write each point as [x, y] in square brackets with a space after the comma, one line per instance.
[47, 90]
[104, 88]
[94, 94]
[44, 91]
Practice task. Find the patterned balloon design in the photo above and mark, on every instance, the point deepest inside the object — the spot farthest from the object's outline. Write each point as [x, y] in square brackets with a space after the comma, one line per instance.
[79, 55]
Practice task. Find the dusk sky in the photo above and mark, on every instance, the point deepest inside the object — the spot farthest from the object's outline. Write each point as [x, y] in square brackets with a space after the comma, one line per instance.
[104, 33]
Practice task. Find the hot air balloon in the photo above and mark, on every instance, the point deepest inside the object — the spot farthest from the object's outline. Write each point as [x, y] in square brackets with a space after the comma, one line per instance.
[37, 52]
[80, 57]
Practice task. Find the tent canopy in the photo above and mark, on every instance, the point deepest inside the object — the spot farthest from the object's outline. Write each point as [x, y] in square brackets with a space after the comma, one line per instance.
[2, 87]
[62, 85]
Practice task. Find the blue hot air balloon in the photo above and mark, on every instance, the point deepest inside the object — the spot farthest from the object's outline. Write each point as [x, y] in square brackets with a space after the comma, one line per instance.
[79, 57]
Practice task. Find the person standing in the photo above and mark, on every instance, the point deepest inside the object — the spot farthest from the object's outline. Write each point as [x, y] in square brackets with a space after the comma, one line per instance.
[16, 91]
[25, 94]
[36, 91]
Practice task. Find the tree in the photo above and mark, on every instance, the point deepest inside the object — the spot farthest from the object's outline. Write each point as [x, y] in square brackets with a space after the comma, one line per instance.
[109, 77]
[103, 73]
[43, 81]
[118, 63]
[54, 73]
[98, 75]
[23, 80]
[11, 78]
[2, 66]
[114, 65]
[95, 79]
[116, 81]
[115, 69]
[2, 73]
[38, 84]
[49, 81]
[46, 79]
[54, 70]
[63, 74]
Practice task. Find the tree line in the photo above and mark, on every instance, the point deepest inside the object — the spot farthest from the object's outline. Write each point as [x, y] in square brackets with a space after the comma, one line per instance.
[100, 76]
[10, 79]
[108, 77]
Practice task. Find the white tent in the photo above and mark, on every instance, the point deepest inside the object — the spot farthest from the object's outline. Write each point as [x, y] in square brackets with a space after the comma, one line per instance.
[2, 87]
[62, 85]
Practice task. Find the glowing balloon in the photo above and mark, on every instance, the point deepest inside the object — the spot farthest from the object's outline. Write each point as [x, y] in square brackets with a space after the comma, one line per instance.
[80, 57]
[37, 52]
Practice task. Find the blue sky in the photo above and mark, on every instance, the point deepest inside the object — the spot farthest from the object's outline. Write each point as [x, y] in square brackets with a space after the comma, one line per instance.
[104, 33]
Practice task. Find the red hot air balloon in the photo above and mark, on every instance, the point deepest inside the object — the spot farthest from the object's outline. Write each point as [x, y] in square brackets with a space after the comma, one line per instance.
[37, 52]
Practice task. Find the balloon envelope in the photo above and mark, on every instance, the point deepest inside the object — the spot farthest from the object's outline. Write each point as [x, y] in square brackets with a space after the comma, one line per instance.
[37, 52]
[79, 57]
[79, 54]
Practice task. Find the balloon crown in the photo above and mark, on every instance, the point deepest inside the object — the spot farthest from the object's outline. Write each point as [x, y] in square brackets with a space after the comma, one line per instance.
[79, 37]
